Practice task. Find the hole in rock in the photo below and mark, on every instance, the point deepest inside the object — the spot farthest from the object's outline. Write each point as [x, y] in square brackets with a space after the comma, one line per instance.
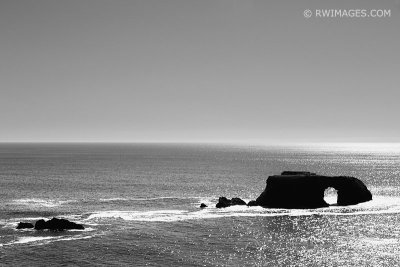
[331, 196]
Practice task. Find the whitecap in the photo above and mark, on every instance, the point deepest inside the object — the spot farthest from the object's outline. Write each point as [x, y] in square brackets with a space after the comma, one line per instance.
[136, 215]
[42, 240]
[87, 229]
[37, 202]
[29, 239]
[115, 199]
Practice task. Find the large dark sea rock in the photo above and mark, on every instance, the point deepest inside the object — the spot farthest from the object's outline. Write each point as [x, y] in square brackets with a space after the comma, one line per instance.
[57, 225]
[306, 190]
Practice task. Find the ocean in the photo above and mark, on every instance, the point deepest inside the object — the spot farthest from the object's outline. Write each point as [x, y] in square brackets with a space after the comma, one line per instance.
[139, 204]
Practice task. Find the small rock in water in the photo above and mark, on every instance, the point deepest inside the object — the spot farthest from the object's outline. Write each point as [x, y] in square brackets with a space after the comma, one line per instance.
[202, 205]
[57, 225]
[23, 225]
[223, 202]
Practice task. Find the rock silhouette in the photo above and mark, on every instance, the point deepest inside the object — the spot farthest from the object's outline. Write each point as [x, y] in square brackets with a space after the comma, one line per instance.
[202, 205]
[223, 202]
[306, 190]
[23, 225]
[57, 225]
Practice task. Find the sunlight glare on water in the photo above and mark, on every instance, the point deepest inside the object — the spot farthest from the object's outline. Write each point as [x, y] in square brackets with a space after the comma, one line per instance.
[355, 147]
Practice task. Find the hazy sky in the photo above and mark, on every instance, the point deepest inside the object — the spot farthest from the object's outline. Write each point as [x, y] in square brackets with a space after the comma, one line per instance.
[191, 70]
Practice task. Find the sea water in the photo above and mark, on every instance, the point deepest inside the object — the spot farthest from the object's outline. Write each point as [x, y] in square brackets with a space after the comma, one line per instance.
[139, 204]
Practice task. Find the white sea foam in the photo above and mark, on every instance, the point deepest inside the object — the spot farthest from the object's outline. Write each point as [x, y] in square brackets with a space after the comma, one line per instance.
[379, 205]
[380, 241]
[113, 199]
[87, 229]
[76, 238]
[42, 240]
[142, 199]
[29, 239]
[137, 215]
[176, 215]
[37, 202]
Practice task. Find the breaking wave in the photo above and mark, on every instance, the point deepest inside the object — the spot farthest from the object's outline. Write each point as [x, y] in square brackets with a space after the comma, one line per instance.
[143, 199]
[379, 205]
[42, 240]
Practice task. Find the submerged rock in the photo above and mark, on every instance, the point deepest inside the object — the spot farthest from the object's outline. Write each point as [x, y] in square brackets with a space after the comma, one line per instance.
[223, 202]
[57, 225]
[23, 225]
[306, 190]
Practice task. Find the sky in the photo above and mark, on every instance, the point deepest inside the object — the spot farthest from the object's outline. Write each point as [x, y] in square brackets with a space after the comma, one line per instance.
[198, 71]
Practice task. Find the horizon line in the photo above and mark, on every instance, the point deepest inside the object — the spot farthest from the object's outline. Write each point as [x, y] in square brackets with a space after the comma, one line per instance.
[231, 142]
